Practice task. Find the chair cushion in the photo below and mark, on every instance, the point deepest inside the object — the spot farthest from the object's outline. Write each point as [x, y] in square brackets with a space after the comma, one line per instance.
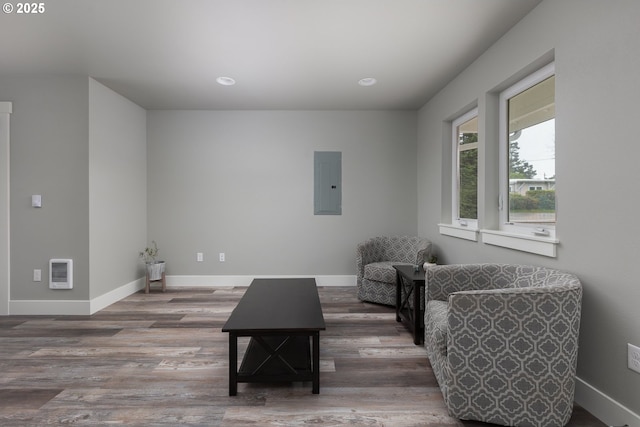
[381, 271]
[436, 325]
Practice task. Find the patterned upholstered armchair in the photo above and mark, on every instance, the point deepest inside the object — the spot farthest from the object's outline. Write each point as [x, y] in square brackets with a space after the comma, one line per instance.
[375, 258]
[503, 341]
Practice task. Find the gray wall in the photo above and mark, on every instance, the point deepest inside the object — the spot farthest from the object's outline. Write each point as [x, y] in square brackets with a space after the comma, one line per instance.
[49, 156]
[595, 44]
[83, 148]
[117, 190]
[241, 182]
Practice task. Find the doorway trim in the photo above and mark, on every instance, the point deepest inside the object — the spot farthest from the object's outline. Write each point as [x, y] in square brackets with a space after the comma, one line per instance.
[6, 108]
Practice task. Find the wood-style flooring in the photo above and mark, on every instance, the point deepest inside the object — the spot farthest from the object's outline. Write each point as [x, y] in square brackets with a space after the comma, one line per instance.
[160, 359]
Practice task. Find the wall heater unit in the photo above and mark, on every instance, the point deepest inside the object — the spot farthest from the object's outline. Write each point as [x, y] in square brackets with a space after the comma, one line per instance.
[61, 274]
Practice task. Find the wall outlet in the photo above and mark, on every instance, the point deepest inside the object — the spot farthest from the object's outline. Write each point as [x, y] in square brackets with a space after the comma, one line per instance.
[633, 357]
[221, 256]
[37, 275]
[199, 257]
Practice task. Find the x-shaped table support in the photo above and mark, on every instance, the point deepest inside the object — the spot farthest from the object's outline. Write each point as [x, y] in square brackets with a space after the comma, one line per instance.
[273, 353]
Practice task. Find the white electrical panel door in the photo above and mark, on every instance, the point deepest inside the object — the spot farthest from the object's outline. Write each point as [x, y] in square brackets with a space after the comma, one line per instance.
[60, 274]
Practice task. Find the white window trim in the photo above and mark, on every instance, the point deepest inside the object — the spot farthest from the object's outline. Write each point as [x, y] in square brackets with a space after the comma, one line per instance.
[527, 243]
[458, 231]
[463, 228]
[528, 238]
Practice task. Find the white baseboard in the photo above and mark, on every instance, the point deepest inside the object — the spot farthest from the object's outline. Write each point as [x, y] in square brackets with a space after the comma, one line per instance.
[603, 407]
[115, 295]
[84, 307]
[73, 307]
[208, 281]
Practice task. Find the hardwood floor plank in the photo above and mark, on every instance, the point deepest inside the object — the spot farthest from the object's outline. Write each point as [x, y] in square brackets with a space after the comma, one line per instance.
[392, 352]
[59, 332]
[24, 398]
[393, 398]
[335, 417]
[116, 352]
[86, 324]
[169, 417]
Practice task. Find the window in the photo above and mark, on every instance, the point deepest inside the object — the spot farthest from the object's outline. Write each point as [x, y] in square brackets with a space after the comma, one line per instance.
[464, 188]
[527, 167]
[527, 150]
[465, 170]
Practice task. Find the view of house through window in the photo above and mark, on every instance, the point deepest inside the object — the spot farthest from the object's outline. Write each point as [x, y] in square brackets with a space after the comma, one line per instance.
[466, 135]
[532, 171]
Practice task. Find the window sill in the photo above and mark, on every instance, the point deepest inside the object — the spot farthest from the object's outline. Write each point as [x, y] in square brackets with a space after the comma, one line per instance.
[533, 244]
[459, 232]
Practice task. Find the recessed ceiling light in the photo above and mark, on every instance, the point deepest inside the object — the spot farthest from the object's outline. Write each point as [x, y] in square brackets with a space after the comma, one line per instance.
[367, 81]
[226, 81]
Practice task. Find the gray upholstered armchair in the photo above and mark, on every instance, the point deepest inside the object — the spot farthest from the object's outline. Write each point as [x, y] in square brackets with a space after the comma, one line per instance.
[376, 277]
[503, 341]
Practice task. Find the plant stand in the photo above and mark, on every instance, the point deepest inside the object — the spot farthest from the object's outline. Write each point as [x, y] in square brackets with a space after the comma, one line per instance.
[148, 283]
[155, 273]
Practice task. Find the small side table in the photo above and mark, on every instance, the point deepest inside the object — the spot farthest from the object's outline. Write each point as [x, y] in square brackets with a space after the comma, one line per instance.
[409, 284]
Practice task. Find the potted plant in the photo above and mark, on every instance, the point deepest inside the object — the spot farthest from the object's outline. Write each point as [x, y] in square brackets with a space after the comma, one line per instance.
[431, 260]
[155, 268]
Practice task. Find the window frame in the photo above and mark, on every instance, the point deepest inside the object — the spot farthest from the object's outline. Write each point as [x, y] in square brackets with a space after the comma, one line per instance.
[467, 223]
[524, 230]
[454, 228]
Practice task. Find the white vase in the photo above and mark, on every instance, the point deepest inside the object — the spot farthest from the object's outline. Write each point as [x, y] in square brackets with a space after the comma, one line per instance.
[155, 270]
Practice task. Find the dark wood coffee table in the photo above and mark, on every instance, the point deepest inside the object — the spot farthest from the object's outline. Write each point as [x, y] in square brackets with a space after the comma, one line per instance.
[281, 316]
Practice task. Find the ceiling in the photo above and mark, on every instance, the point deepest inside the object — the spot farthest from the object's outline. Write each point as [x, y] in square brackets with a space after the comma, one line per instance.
[283, 54]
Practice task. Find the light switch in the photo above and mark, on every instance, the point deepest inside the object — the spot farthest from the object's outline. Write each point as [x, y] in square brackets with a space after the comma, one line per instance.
[36, 201]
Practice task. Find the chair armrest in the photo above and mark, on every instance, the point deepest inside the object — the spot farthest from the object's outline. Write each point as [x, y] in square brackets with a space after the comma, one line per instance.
[365, 254]
[522, 342]
[423, 252]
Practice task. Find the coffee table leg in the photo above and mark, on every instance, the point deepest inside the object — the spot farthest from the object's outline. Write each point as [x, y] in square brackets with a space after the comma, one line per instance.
[233, 364]
[416, 314]
[316, 363]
